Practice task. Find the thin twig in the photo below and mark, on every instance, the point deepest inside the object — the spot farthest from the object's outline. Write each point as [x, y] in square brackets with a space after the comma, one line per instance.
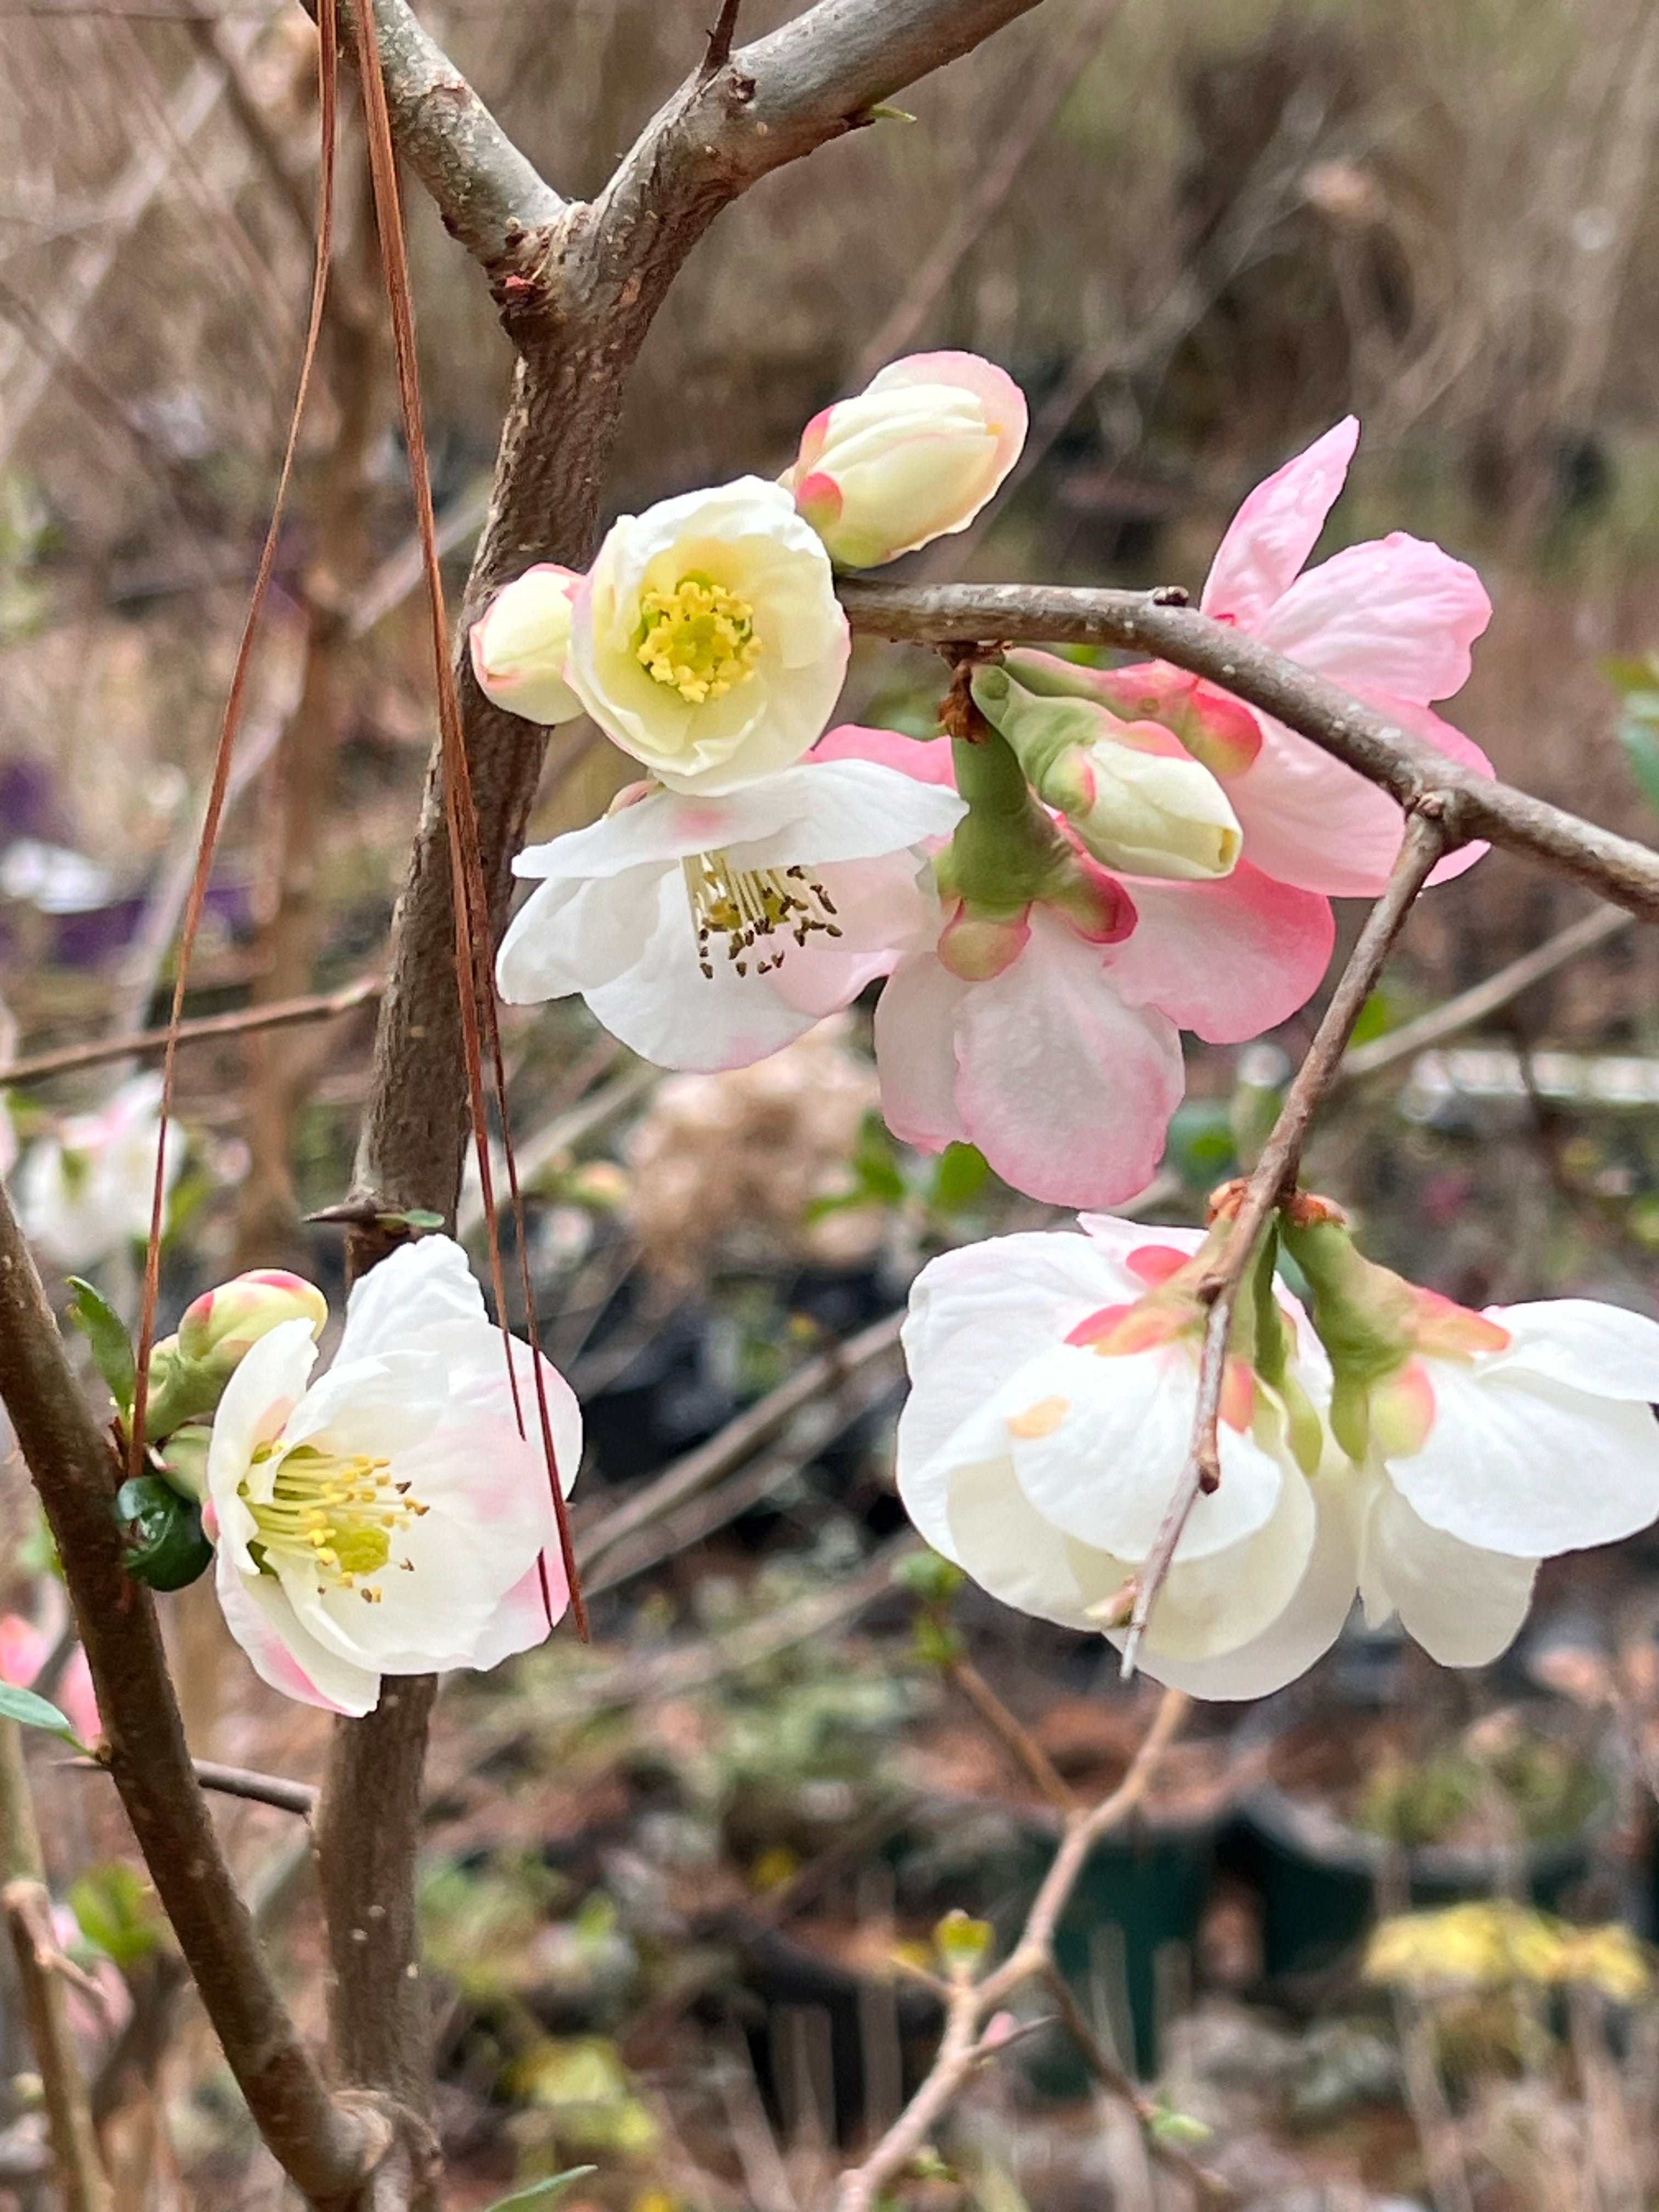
[719, 41]
[1011, 1733]
[1364, 738]
[1118, 2082]
[327, 2146]
[1424, 846]
[1490, 997]
[80, 2176]
[964, 2045]
[281, 1013]
[752, 1428]
[274, 1790]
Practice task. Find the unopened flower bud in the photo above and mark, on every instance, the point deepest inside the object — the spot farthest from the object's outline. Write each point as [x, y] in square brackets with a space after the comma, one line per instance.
[219, 1329]
[183, 1458]
[519, 642]
[1133, 797]
[915, 457]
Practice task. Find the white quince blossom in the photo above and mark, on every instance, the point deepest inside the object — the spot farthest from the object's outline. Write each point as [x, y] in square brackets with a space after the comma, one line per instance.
[390, 1518]
[519, 644]
[1051, 1411]
[708, 641]
[914, 457]
[85, 1192]
[707, 932]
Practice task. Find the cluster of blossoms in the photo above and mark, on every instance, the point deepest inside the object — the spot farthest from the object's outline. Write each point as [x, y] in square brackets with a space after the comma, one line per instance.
[394, 1516]
[1099, 860]
[1388, 1444]
[84, 1191]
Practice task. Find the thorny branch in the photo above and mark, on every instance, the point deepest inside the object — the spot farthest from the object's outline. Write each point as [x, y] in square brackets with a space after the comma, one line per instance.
[972, 2005]
[1250, 1207]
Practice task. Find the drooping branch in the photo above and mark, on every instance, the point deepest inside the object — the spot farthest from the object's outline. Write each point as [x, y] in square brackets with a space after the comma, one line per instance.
[1157, 624]
[1271, 1181]
[324, 2145]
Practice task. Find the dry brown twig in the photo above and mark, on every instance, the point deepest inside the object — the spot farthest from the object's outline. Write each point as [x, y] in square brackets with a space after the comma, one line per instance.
[279, 1013]
[972, 2006]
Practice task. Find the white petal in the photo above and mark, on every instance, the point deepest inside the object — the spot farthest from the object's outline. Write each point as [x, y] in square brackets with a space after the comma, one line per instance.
[1210, 1607]
[1607, 1350]
[1302, 1633]
[1515, 1463]
[1463, 1605]
[666, 1010]
[669, 825]
[571, 935]
[379, 1406]
[855, 810]
[978, 1313]
[269, 1383]
[283, 1652]
[413, 1289]
[983, 1521]
[1105, 1443]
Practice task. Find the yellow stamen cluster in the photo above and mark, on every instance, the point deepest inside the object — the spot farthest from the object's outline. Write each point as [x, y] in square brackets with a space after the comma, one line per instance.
[699, 638]
[746, 905]
[338, 1515]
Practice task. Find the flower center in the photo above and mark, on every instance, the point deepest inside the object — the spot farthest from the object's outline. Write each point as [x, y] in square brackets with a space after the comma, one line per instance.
[744, 905]
[337, 1515]
[699, 638]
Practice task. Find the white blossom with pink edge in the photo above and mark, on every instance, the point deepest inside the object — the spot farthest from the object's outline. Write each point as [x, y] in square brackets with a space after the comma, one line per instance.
[85, 1193]
[390, 1518]
[518, 646]
[1391, 621]
[1065, 1068]
[913, 458]
[1044, 1470]
[706, 933]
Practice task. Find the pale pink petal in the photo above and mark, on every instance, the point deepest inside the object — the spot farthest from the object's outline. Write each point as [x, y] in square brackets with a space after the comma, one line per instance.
[283, 1652]
[571, 933]
[1065, 1090]
[1229, 959]
[883, 911]
[526, 1615]
[1310, 821]
[1396, 615]
[928, 760]
[915, 1028]
[1276, 529]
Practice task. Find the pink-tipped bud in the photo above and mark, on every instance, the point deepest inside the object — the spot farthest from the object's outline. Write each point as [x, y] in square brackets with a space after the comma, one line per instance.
[221, 1326]
[915, 457]
[519, 643]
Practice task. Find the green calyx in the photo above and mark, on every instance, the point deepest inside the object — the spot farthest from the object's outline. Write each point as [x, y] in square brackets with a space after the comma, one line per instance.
[1048, 736]
[1366, 1317]
[1006, 852]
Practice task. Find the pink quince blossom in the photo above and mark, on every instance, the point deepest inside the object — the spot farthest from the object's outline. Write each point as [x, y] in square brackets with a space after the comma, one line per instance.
[1057, 1051]
[1391, 621]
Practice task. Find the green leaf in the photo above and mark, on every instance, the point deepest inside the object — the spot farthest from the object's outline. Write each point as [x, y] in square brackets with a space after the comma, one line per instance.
[875, 1163]
[541, 2192]
[116, 1912]
[960, 1175]
[1375, 1018]
[1202, 1146]
[30, 1711]
[417, 1217]
[166, 1547]
[1638, 733]
[106, 1332]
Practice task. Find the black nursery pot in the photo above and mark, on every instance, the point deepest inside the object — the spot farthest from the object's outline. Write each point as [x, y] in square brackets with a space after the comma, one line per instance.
[1322, 1879]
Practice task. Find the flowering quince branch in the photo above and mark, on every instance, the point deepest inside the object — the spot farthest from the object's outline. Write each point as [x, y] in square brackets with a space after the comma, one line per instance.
[971, 2024]
[1378, 746]
[1251, 1206]
[326, 2144]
